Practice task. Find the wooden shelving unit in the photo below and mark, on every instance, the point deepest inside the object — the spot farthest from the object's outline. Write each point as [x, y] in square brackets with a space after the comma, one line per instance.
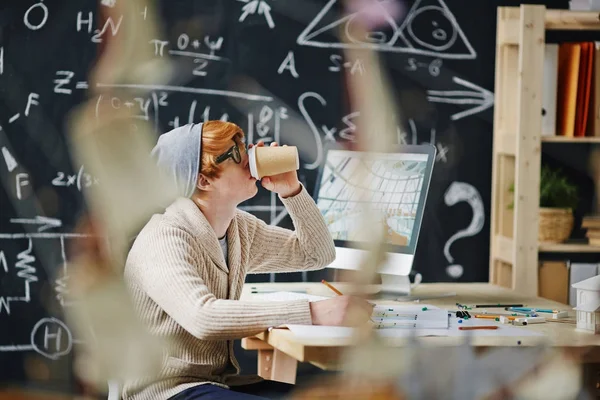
[567, 248]
[564, 139]
[520, 40]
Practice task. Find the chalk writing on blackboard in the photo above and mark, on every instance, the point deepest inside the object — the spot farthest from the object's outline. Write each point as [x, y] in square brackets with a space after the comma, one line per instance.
[289, 63]
[43, 223]
[482, 98]
[184, 89]
[80, 179]
[10, 161]
[63, 78]
[21, 180]
[50, 337]
[1, 60]
[337, 64]
[260, 7]
[458, 192]
[61, 284]
[24, 270]
[32, 100]
[442, 150]
[97, 35]
[443, 37]
[433, 67]
[183, 50]
[33, 21]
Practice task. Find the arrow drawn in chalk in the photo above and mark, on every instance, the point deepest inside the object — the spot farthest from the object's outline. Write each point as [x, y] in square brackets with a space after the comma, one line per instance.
[482, 98]
[45, 222]
[257, 7]
[456, 193]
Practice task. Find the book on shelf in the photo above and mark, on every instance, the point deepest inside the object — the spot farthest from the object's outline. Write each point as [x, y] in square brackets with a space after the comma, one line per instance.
[571, 96]
[584, 5]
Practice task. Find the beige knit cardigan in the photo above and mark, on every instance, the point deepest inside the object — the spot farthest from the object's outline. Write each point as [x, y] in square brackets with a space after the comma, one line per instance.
[186, 293]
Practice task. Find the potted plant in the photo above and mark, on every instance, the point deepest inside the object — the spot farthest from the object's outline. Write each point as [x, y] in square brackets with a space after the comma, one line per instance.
[558, 199]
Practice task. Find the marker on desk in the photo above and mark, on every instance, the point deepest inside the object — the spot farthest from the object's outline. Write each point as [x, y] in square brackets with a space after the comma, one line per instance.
[494, 317]
[330, 286]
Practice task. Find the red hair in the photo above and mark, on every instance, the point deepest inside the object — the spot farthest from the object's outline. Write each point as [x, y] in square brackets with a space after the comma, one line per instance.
[217, 138]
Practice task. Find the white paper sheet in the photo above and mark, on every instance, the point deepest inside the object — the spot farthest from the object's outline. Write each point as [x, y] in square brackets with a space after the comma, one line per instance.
[288, 296]
[409, 316]
[336, 332]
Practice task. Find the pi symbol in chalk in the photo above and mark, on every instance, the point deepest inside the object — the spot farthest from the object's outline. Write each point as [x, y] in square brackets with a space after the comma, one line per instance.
[456, 193]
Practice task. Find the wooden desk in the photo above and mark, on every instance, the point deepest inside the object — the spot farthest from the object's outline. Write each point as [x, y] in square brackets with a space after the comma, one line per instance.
[279, 350]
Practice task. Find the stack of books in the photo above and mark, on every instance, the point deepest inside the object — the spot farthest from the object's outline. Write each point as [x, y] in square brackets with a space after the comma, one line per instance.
[571, 94]
[592, 225]
[584, 5]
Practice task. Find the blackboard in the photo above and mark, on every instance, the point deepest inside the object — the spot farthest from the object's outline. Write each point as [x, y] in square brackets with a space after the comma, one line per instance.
[272, 66]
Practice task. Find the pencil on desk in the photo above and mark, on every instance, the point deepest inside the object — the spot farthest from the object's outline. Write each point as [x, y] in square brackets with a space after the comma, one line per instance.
[330, 286]
[472, 328]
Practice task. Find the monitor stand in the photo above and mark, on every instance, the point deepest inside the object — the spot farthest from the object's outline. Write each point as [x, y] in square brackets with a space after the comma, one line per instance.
[394, 285]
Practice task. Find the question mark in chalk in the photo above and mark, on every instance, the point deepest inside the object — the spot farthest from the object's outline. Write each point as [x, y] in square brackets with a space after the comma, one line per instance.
[457, 192]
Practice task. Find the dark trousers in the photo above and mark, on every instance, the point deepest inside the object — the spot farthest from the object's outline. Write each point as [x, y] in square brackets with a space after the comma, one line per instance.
[256, 391]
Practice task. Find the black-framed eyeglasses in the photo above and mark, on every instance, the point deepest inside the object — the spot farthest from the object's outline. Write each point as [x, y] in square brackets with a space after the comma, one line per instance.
[233, 153]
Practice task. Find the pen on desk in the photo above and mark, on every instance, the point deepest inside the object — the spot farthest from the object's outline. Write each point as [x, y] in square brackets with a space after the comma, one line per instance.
[472, 328]
[254, 290]
[330, 286]
[496, 305]
[525, 309]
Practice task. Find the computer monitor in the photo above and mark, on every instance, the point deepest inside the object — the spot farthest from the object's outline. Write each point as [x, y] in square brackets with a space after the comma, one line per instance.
[394, 185]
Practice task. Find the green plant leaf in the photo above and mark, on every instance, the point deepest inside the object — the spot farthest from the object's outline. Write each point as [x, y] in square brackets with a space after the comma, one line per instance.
[556, 191]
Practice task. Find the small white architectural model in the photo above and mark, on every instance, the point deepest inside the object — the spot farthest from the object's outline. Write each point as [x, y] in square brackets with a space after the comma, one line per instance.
[588, 304]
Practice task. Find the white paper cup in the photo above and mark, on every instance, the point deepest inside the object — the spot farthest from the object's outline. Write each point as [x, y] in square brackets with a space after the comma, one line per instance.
[269, 161]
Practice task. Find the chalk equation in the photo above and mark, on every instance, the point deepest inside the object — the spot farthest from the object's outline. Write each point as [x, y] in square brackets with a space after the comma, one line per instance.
[442, 36]
[79, 180]
[191, 48]
[323, 133]
[87, 23]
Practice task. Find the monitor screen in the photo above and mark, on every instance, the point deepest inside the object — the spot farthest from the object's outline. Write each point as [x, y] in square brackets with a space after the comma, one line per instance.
[393, 185]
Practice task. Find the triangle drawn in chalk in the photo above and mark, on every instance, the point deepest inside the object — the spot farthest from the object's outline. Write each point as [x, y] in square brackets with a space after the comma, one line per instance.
[429, 29]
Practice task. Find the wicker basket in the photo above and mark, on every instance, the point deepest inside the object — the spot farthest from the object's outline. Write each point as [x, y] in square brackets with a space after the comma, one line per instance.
[555, 224]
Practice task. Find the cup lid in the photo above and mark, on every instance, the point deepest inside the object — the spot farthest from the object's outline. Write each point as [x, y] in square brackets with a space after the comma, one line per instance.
[252, 162]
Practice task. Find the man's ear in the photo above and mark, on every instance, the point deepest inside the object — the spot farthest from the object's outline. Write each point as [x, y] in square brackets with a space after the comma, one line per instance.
[203, 183]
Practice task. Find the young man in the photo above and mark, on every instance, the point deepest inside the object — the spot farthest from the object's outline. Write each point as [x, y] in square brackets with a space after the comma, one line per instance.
[187, 266]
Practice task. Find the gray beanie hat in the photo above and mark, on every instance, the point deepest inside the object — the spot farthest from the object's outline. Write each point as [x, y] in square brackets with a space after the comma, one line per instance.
[177, 154]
